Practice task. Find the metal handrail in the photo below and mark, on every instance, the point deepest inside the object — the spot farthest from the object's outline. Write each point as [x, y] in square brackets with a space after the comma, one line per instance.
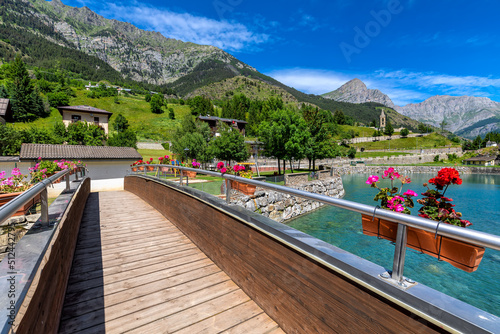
[455, 232]
[11, 208]
[403, 220]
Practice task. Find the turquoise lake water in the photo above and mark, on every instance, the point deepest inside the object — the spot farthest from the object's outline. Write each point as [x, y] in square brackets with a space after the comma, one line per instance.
[478, 198]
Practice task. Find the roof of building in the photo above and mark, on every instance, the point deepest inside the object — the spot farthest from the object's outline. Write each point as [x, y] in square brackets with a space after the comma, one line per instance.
[226, 120]
[86, 109]
[80, 152]
[4, 105]
[481, 158]
[9, 158]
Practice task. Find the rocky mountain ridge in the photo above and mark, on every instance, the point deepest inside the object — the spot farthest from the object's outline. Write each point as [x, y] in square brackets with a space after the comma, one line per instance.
[458, 112]
[355, 91]
[468, 116]
[141, 55]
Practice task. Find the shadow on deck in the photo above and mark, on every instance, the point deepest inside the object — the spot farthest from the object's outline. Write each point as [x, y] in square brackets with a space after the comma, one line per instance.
[133, 271]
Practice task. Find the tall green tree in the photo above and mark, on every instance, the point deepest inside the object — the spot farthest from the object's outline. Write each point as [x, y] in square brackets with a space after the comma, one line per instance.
[193, 136]
[120, 124]
[389, 130]
[157, 104]
[339, 117]
[201, 105]
[229, 146]
[10, 140]
[126, 138]
[82, 133]
[21, 92]
[284, 136]
[321, 128]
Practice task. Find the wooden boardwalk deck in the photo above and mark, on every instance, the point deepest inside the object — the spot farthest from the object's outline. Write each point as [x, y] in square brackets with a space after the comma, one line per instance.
[135, 272]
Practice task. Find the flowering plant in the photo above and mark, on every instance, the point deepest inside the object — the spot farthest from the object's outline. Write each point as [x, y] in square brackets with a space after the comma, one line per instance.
[435, 205]
[195, 164]
[45, 168]
[138, 162]
[14, 183]
[164, 160]
[236, 170]
[390, 198]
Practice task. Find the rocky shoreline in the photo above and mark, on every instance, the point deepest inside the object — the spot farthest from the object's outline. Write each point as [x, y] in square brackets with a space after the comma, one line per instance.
[281, 207]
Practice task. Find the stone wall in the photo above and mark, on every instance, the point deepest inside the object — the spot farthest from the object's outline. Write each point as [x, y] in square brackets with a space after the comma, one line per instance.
[281, 207]
[381, 138]
[411, 169]
[296, 179]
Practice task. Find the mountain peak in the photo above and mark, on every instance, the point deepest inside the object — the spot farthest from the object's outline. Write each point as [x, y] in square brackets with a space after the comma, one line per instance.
[355, 91]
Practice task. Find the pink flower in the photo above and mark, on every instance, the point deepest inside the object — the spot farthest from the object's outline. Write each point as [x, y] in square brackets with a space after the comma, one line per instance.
[410, 193]
[16, 172]
[372, 179]
[223, 170]
[2, 174]
[39, 158]
[220, 165]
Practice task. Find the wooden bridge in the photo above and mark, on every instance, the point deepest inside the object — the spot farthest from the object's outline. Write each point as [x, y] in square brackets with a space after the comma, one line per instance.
[135, 272]
[164, 258]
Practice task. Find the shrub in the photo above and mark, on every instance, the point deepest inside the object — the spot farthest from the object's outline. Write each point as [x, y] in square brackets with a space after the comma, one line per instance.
[436, 158]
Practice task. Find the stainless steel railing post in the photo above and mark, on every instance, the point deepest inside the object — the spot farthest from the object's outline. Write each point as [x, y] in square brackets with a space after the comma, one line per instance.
[67, 181]
[228, 191]
[44, 210]
[399, 253]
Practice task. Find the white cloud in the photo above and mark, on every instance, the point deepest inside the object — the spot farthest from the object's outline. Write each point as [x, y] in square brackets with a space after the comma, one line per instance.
[227, 35]
[447, 84]
[401, 86]
[311, 81]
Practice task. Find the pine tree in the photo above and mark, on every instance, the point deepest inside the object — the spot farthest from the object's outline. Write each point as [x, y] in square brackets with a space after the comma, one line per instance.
[21, 92]
[389, 130]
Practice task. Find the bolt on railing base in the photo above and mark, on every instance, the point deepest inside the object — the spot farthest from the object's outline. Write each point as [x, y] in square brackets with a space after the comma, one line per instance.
[404, 284]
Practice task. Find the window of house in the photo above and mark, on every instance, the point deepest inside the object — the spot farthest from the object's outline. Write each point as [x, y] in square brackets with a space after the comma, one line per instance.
[76, 118]
[96, 120]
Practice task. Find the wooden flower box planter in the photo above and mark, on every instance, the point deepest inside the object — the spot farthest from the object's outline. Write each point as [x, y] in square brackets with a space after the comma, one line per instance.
[134, 169]
[246, 189]
[190, 174]
[6, 198]
[150, 168]
[459, 254]
[141, 168]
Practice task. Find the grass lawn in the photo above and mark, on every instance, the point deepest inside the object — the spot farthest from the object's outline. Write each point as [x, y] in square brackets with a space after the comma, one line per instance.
[433, 140]
[155, 154]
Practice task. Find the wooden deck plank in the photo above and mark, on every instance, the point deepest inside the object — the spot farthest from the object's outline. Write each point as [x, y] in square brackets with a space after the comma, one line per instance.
[196, 314]
[134, 270]
[259, 324]
[224, 320]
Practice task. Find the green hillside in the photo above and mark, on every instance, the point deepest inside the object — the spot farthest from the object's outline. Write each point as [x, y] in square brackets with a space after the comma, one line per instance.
[143, 122]
[254, 89]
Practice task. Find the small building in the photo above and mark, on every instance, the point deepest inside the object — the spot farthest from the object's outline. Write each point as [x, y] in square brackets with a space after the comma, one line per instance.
[124, 90]
[103, 162]
[90, 86]
[491, 144]
[213, 123]
[5, 111]
[480, 161]
[256, 147]
[72, 114]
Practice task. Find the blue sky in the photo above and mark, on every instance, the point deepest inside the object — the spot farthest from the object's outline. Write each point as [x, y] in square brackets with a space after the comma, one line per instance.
[409, 49]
